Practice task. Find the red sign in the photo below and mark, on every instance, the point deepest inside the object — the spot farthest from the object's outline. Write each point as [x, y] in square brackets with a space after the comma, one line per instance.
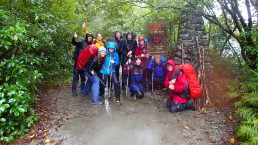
[157, 39]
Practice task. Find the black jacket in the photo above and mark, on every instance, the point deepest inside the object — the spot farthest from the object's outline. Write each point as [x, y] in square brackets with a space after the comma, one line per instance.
[79, 46]
[94, 64]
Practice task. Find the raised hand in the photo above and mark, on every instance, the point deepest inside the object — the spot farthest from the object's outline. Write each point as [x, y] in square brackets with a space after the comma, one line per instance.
[84, 25]
[75, 35]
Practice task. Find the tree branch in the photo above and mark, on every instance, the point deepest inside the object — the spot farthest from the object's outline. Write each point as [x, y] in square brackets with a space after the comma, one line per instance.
[250, 23]
[233, 15]
[241, 18]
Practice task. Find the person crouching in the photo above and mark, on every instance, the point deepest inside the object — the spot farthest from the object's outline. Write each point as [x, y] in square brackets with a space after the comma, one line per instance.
[177, 83]
[136, 79]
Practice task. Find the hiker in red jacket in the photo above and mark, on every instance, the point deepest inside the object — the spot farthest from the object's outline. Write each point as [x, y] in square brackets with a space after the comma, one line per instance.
[179, 97]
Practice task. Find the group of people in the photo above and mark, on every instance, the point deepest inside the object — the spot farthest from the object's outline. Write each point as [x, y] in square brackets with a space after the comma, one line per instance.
[140, 72]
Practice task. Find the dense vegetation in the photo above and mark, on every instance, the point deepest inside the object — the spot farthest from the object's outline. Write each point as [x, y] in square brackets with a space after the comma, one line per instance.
[34, 41]
[35, 50]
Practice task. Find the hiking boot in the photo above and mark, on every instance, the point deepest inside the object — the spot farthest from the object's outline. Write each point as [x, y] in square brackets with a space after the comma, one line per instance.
[118, 102]
[74, 93]
[194, 108]
[134, 97]
[97, 103]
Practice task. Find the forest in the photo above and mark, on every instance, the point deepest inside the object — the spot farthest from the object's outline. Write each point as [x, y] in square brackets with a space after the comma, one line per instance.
[36, 54]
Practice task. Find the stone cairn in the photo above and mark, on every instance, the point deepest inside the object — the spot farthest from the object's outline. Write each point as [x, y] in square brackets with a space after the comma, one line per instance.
[192, 47]
[192, 28]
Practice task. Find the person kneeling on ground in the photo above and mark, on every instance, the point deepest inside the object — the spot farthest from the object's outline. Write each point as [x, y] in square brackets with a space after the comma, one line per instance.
[177, 83]
[136, 79]
[158, 69]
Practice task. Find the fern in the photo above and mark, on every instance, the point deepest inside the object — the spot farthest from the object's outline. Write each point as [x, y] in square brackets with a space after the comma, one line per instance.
[247, 109]
[246, 113]
[247, 132]
[251, 99]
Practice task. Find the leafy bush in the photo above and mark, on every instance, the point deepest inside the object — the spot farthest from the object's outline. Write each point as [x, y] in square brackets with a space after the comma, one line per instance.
[34, 54]
[20, 81]
[247, 108]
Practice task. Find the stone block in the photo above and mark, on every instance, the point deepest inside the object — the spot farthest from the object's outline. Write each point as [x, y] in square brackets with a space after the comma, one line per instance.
[203, 42]
[199, 28]
[177, 60]
[197, 20]
[189, 44]
[194, 34]
[182, 25]
[178, 54]
[190, 26]
[207, 59]
[184, 37]
[183, 31]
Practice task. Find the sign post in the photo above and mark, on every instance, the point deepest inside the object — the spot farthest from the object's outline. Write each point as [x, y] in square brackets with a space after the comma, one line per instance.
[157, 39]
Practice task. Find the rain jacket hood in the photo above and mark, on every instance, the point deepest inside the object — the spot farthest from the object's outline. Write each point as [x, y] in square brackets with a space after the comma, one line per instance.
[171, 62]
[130, 32]
[87, 36]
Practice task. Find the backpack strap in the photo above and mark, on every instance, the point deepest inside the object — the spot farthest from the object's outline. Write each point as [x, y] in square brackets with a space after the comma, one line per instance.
[186, 91]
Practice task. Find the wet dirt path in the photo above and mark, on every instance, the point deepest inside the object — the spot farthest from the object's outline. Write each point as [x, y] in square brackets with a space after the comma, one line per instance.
[74, 121]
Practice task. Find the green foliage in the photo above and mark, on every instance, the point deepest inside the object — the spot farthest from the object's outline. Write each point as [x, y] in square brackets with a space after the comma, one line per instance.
[20, 78]
[16, 112]
[247, 108]
[35, 54]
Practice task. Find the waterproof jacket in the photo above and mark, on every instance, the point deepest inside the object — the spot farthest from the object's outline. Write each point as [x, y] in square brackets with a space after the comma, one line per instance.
[142, 50]
[127, 68]
[108, 67]
[120, 43]
[94, 64]
[79, 46]
[136, 78]
[98, 43]
[179, 85]
[130, 45]
[159, 69]
[78, 49]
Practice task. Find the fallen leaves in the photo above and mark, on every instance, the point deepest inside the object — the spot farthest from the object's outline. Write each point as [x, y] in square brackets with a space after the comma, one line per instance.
[186, 127]
[230, 117]
[232, 140]
[47, 141]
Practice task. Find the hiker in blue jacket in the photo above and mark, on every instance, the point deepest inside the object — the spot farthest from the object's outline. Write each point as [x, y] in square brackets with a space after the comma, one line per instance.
[158, 68]
[108, 70]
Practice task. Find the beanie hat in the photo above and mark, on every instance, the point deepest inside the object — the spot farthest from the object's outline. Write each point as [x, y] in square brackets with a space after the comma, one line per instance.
[140, 39]
[102, 49]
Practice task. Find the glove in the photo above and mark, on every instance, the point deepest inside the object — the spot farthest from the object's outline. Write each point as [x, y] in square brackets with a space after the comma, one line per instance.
[112, 61]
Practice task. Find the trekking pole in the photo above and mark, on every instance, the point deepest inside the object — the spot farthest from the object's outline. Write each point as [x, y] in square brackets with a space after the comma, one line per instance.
[161, 101]
[103, 83]
[110, 77]
[152, 75]
[127, 81]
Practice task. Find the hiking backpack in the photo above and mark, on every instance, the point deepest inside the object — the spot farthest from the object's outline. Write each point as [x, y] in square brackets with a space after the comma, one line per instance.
[86, 55]
[191, 77]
